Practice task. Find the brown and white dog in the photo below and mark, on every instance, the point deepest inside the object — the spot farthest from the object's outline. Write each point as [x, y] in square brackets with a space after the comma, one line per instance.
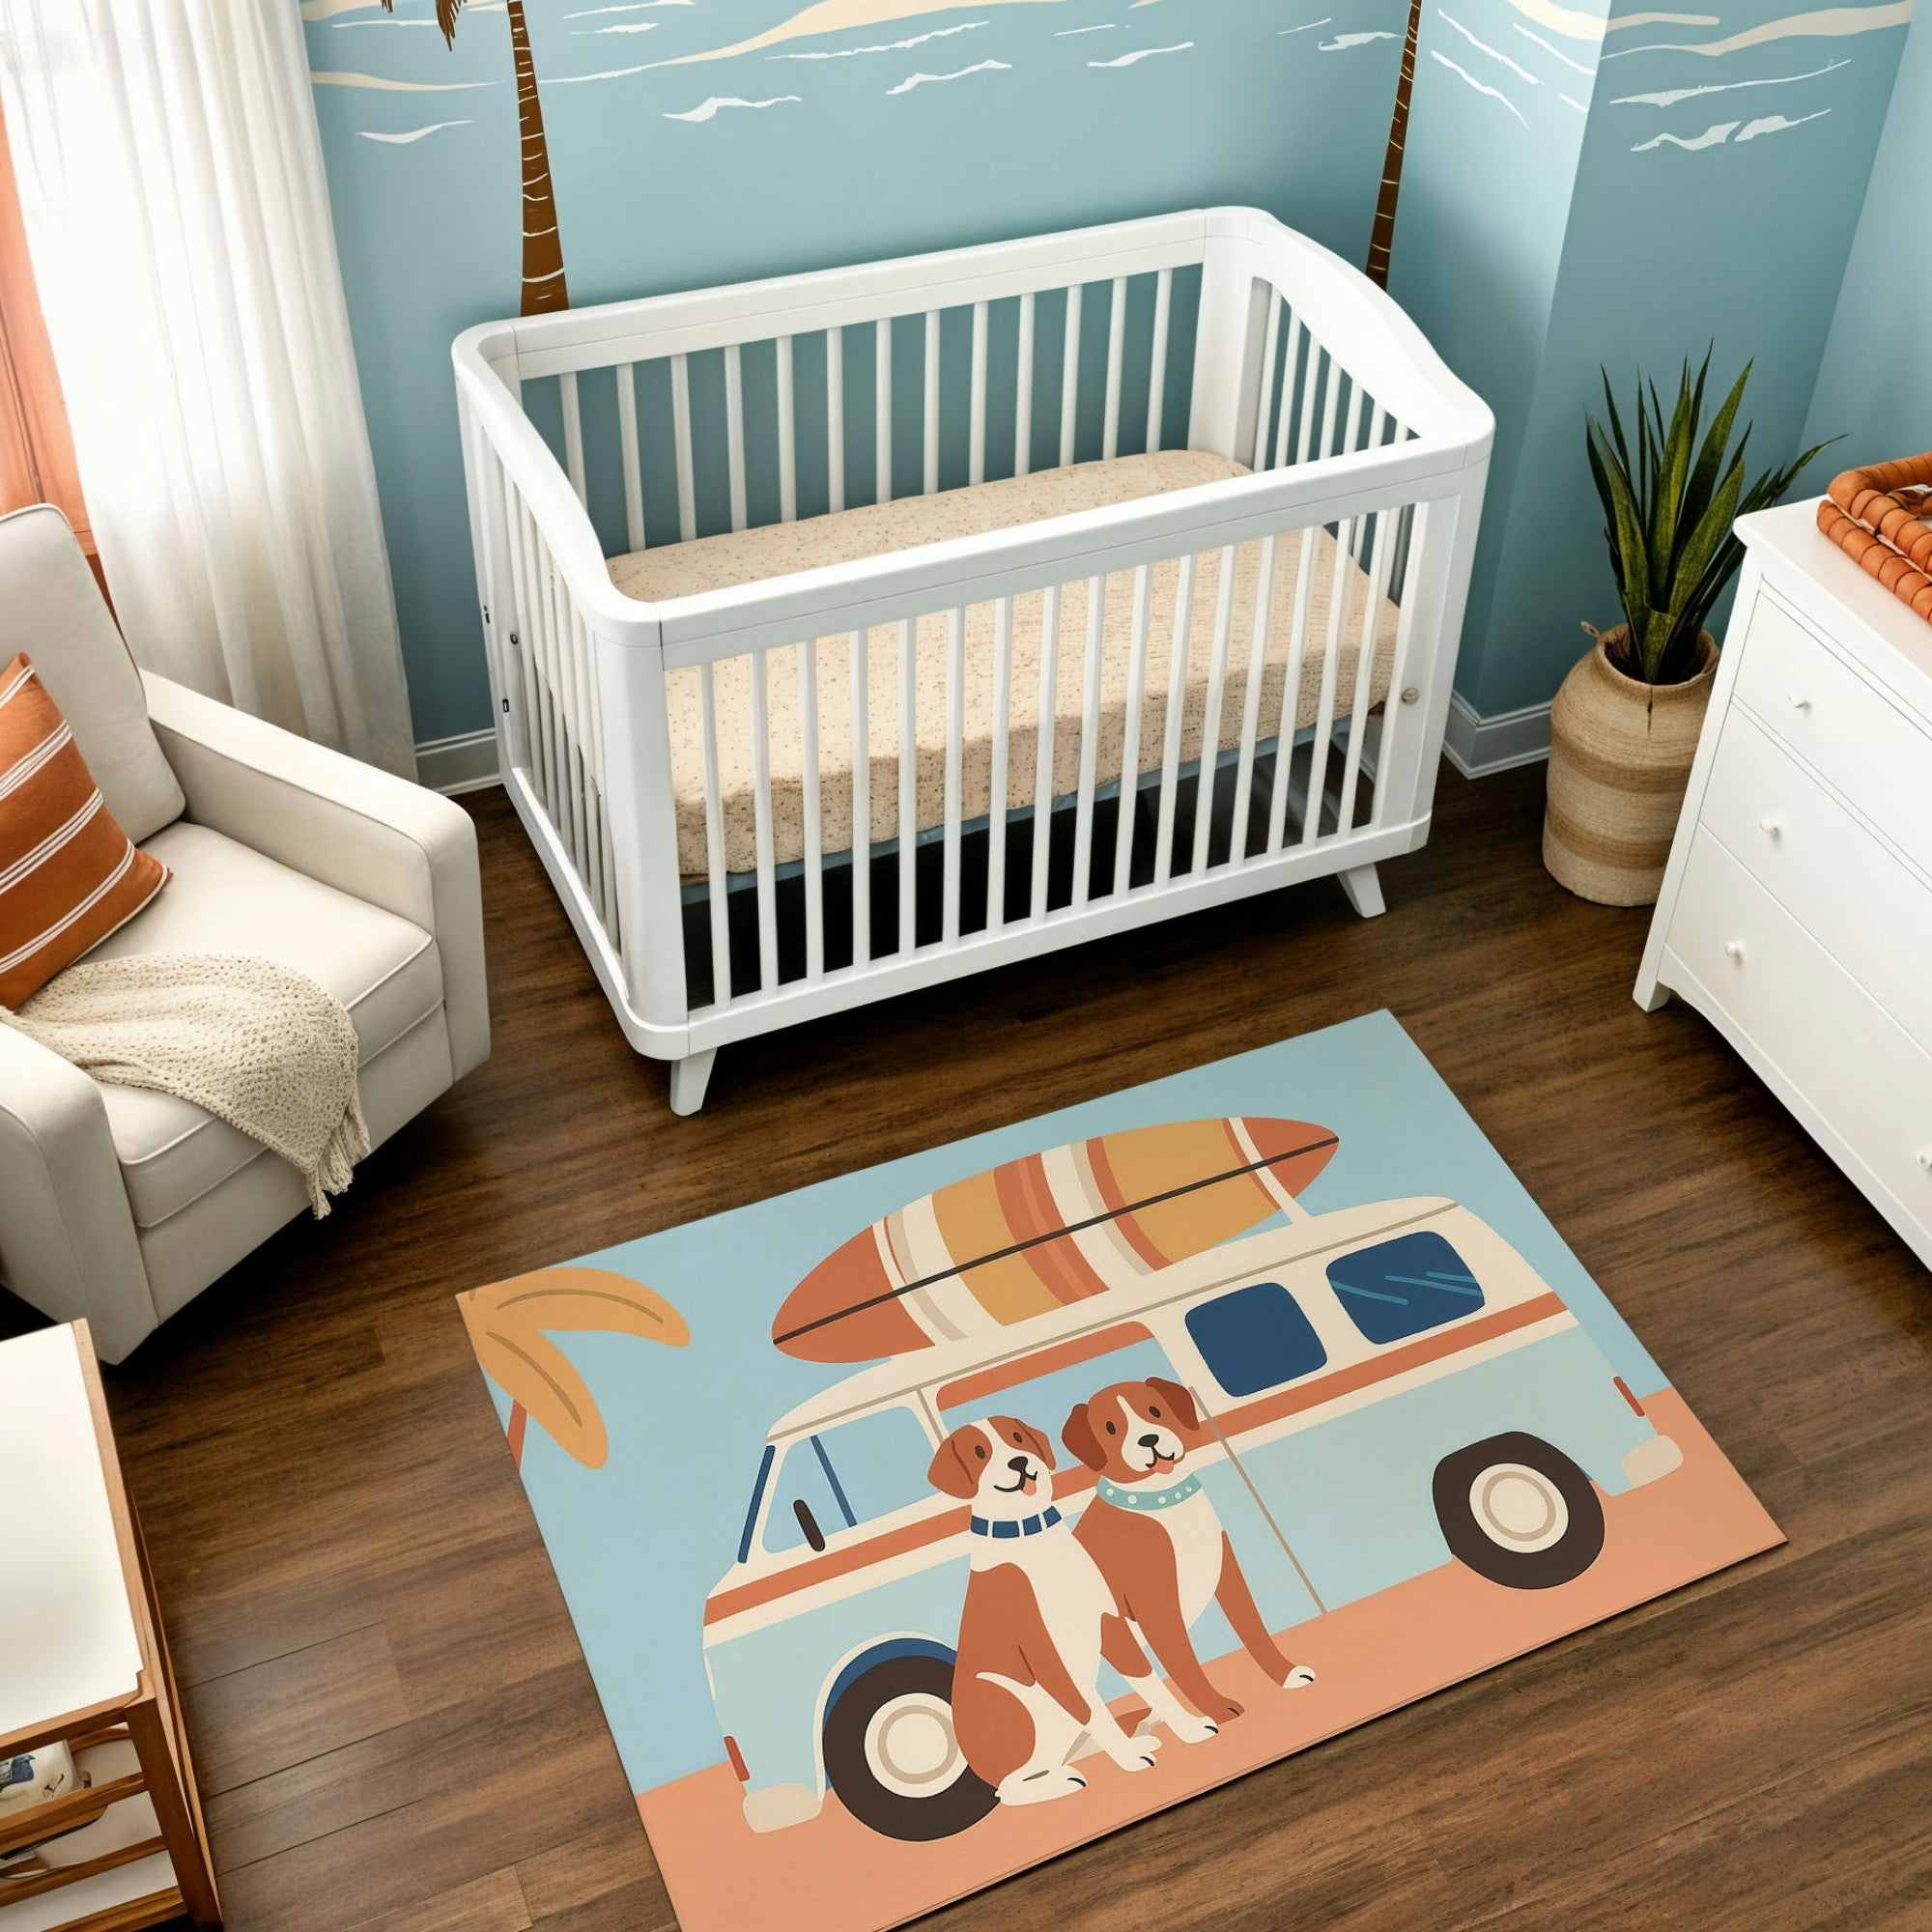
[1153, 1532]
[1026, 1701]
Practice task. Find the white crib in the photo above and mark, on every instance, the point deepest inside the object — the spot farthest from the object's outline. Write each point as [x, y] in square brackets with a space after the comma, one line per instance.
[1190, 507]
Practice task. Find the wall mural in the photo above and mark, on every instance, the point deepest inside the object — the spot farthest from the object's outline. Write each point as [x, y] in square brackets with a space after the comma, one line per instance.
[489, 152]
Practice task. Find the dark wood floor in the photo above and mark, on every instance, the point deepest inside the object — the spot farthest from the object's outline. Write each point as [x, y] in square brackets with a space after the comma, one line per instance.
[396, 1729]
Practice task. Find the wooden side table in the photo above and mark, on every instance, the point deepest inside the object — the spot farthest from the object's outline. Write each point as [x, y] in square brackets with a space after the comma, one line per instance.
[82, 1659]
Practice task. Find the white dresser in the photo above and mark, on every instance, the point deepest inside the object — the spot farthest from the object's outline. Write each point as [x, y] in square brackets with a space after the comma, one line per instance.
[1797, 910]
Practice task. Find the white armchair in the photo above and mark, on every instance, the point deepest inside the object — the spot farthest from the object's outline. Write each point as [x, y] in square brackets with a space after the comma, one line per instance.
[119, 1204]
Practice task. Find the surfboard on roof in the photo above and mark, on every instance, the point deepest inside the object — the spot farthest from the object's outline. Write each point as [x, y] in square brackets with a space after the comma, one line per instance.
[1046, 1230]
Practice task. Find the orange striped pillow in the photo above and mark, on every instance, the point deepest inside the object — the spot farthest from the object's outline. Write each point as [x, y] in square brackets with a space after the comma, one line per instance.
[69, 874]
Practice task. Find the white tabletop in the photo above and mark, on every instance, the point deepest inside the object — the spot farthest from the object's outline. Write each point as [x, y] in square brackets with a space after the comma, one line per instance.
[67, 1629]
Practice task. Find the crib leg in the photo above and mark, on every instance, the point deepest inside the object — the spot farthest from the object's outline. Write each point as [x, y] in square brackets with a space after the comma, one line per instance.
[1364, 889]
[689, 1078]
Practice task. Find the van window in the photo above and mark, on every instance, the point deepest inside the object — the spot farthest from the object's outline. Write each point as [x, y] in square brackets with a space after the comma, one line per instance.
[1255, 1337]
[1404, 1285]
[1045, 1402]
[848, 1474]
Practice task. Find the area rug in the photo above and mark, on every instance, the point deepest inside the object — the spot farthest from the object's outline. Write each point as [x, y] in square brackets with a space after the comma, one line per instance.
[932, 1521]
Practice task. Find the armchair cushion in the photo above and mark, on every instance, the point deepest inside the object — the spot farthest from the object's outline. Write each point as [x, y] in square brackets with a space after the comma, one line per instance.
[227, 897]
[51, 608]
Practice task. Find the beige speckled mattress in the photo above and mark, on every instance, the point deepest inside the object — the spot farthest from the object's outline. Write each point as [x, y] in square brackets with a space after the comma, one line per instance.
[775, 549]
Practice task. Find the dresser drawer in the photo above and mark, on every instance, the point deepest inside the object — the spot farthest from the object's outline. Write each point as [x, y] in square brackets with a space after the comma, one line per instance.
[1869, 910]
[1810, 1020]
[1862, 742]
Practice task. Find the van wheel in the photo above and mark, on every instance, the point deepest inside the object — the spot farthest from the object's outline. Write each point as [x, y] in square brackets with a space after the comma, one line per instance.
[891, 1755]
[1519, 1511]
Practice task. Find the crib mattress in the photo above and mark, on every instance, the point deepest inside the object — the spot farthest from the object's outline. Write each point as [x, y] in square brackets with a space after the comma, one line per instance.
[777, 549]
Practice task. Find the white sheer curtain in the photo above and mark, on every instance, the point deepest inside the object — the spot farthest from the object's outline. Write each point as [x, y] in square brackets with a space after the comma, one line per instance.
[178, 217]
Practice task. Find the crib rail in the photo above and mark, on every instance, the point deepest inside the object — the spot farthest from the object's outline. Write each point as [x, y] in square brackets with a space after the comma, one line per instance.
[773, 799]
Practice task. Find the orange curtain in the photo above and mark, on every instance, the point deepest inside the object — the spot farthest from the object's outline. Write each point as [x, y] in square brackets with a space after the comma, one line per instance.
[36, 449]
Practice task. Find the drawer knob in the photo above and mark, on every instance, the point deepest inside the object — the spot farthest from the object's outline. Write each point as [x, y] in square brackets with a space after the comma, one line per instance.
[1775, 825]
[1800, 702]
[1924, 1158]
[1734, 949]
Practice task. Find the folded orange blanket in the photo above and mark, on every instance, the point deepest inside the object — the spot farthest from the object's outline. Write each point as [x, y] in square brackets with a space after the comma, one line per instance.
[1881, 517]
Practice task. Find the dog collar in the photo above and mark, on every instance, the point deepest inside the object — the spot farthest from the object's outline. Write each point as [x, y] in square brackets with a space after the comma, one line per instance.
[1027, 1526]
[1144, 1501]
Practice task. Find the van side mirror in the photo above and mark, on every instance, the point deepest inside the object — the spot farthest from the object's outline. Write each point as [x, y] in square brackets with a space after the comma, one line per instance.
[808, 1522]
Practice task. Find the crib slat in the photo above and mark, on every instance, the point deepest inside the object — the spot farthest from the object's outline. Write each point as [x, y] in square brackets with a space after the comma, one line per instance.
[1046, 732]
[1324, 710]
[860, 671]
[1163, 307]
[955, 750]
[908, 783]
[1304, 441]
[1176, 692]
[882, 398]
[761, 819]
[815, 852]
[1251, 707]
[1331, 412]
[634, 468]
[717, 903]
[1211, 719]
[573, 432]
[930, 426]
[1117, 335]
[1352, 440]
[976, 456]
[1365, 667]
[787, 437]
[574, 669]
[1130, 739]
[1396, 713]
[531, 602]
[522, 629]
[1069, 376]
[680, 426]
[734, 429]
[835, 417]
[1297, 333]
[1023, 398]
[1264, 408]
[1291, 688]
[1090, 740]
[996, 816]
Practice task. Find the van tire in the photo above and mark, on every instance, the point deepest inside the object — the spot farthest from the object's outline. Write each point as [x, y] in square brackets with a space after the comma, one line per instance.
[918, 1689]
[1519, 1511]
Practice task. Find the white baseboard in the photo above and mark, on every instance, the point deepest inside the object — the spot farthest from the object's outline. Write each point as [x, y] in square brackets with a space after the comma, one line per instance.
[467, 762]
[1479, 746]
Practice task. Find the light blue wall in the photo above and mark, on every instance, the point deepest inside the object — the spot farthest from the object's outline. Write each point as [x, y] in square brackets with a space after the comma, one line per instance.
[1876, 382]
[1244, 109]
[1691, 197]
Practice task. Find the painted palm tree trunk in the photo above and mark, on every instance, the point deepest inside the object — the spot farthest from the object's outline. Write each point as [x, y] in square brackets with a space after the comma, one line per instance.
[1382, 237]
[544, 285]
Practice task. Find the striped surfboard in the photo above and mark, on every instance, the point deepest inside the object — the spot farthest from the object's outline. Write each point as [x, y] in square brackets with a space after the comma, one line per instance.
[1045, 1230]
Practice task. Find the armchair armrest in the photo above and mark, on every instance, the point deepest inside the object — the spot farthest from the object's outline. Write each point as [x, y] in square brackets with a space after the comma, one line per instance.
[365, 832]
[67, 1235]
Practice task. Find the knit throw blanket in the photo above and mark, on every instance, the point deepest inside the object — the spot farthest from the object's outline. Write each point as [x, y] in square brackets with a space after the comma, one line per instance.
[253, 1042]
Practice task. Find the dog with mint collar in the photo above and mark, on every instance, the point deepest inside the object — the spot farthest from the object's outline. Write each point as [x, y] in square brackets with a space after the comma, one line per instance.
[1026, 1698]
[1152, 1531]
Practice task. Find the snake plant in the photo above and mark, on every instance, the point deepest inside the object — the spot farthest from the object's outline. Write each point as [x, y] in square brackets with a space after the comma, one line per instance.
[1667, 517]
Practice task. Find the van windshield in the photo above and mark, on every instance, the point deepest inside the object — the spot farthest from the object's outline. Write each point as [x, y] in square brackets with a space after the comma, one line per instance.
[843, 1476]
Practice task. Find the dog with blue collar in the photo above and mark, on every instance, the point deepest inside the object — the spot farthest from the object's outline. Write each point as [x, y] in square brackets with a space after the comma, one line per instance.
[1026, 1697]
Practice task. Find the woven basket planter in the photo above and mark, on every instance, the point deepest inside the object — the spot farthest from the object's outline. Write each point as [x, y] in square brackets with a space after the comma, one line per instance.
[1620, 754]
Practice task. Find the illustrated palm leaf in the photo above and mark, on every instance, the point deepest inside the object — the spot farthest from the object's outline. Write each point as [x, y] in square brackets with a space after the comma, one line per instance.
[508, 1323]
[1667, 515]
